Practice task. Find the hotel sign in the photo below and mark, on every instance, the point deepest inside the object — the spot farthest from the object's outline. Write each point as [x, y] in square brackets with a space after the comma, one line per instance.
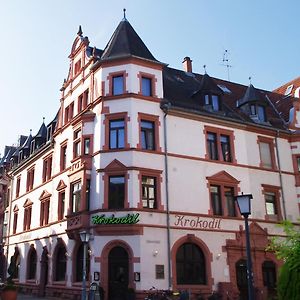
[103, 219]
[197, 222]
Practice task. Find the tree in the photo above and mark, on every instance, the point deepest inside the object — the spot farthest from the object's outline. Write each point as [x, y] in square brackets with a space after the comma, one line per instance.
[288, 249]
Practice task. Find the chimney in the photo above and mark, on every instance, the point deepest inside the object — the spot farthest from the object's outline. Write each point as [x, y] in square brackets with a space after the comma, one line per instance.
[187, 64]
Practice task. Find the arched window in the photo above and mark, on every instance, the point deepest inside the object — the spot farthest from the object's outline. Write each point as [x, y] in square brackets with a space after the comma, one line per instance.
[60, 263]
[269, 274]
[79, 263]
[31, 264]
[190, 265]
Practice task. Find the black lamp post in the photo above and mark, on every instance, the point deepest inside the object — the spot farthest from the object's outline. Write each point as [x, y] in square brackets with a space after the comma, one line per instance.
[85, 237]
[244, 205]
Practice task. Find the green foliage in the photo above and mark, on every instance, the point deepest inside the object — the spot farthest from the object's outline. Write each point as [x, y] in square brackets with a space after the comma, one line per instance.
[288, 249]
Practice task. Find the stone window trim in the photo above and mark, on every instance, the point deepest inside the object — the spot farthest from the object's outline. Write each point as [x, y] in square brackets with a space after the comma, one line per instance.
[266, 188]
[30, 178]
[44, 208]
[158, 180]
[110, 82]
[60, 208]
[91, 139]
[27, 214]
[71, 204]
[115, 168]
[47, 168]
[76, 141]
[112, 117]
[223, 179]
[63, 160]
[270, 141]
[296, 166]
[208, 258]
[219, 132]
[18, 184]
[15, 220]
[153, 79]
[157, 124]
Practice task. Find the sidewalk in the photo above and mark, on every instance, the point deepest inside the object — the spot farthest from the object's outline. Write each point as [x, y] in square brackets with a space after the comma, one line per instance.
[31, 297]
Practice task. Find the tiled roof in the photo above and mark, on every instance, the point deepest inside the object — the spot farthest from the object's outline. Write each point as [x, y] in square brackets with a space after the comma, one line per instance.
[180, 88]
[125, 42]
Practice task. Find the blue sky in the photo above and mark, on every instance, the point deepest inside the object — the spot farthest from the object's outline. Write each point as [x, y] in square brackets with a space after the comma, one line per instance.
[36, 38]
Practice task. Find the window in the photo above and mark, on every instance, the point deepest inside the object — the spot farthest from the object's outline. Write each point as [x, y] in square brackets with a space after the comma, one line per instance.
[149, 192]
[213, 101]
[15, 222]
[69, 113]
[77, 143]
[146, 86]
[61, 205]
[79, 264]
[190, 265]
[267, 155]
[85, 98]
[49, 132]
[67, 109]
[47, 168]
[76, 196]
[219, 144]
[80, 103]
[116, 192]
[31, 264]
[60, 263]
[63, 157]
[116, 134]
[18, 186]
[77, 67]
[118, 85]
[27, 215]
[30, 179]
[44, 211]
[269, 274]
[259, 111]
[272, 202]
[86, 145]
[147, 135]
[298, 163]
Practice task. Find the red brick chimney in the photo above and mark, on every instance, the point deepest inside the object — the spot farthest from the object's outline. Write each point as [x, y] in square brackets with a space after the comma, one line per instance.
[187, 64]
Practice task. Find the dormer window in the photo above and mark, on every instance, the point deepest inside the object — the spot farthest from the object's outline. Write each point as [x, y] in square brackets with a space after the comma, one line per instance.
[49, 133]
[259, 111]
[32, 146]
[213, 101]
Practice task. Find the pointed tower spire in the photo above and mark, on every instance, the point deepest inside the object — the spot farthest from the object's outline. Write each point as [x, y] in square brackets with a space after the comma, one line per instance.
[80, 31]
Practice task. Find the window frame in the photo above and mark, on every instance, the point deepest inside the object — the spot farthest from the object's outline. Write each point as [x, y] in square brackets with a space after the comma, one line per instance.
[72, 195]
[27, 215]
[61, 207]
[110, 79]
[153, 81]
[275, 190]
[209, 100]
[109, 192]
[30, 178]
[155, 120]
[47, 168]
[18, 185]
[77, 143]
[270, 142]
[44, 211]
[15, 220]
[219, 132]
[106, 123]
[63, 156]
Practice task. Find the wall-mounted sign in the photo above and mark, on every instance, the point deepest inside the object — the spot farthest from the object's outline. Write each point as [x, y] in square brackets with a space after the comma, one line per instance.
[197, 222]
[103, 219]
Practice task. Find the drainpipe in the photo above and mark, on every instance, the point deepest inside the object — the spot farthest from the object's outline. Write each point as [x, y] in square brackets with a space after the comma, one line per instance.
[165, 107]
[280, 174]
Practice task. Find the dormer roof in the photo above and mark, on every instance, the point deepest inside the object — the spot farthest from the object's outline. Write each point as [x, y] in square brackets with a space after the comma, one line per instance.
[125, 42]
[26, 144]
[252, 95]
[42, 133]
[209, 85]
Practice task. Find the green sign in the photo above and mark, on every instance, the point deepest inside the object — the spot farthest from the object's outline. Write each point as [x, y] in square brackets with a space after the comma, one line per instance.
[129, 219]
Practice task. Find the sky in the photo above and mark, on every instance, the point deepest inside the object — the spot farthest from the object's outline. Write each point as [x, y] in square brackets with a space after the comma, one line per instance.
[260, 36]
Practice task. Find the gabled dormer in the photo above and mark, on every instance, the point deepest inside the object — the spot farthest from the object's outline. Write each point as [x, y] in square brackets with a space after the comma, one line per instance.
[210, 94]
[24, 151]
[254, 104]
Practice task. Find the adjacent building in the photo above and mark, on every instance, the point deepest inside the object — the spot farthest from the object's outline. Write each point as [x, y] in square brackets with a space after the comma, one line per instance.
[148, 159]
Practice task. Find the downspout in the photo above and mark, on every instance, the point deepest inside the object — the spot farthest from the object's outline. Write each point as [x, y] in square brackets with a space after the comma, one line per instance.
[165, 107]
[280, 174]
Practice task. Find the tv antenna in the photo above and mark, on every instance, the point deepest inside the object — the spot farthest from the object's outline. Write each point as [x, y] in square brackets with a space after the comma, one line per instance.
[226, 62]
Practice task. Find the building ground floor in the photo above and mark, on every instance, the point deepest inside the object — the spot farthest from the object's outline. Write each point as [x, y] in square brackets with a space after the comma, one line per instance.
[198, 254]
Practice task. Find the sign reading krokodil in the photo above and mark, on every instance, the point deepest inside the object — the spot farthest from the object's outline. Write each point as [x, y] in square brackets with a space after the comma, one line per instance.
[103, 219]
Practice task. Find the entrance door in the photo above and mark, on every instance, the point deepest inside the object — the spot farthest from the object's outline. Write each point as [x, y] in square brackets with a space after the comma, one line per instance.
[44, 273]
[241, 278]
[118, 273]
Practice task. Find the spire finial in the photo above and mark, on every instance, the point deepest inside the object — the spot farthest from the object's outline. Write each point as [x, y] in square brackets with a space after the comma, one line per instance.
[79, 31]
[250, 79]
[30, 131]
[43, 119]
[204, 67]
[124, 11]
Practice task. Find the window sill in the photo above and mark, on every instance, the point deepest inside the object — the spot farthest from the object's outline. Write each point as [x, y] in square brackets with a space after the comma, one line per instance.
[59, 282]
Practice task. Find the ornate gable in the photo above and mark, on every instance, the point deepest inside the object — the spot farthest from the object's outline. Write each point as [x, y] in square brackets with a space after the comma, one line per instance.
[61, 185]
[45, 195]
[28, 202]
[223, 177]
[115, 165]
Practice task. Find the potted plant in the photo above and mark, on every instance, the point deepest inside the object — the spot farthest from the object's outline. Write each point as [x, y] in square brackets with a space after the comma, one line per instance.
[9, 291]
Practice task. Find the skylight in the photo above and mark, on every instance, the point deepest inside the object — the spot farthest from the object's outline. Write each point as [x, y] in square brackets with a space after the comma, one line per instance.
[288, 90]
[224, 88]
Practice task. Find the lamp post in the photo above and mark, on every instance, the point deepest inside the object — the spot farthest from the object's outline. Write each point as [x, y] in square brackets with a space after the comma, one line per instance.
[85, 237]
[244, 205]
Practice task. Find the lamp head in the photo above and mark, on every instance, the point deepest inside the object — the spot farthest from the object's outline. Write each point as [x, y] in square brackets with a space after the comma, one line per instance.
[244, 204]
[84, 236]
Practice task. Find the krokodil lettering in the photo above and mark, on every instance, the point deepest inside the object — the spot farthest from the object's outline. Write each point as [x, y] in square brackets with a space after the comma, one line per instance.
[102, 219]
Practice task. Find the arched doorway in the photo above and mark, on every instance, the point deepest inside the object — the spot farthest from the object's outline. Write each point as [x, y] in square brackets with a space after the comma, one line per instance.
[269, 278]
[118, 273]
[241, 278]
[44, 272]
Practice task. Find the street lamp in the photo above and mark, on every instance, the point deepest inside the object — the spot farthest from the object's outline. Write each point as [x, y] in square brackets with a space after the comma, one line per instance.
[85, 237]
[244, 205]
